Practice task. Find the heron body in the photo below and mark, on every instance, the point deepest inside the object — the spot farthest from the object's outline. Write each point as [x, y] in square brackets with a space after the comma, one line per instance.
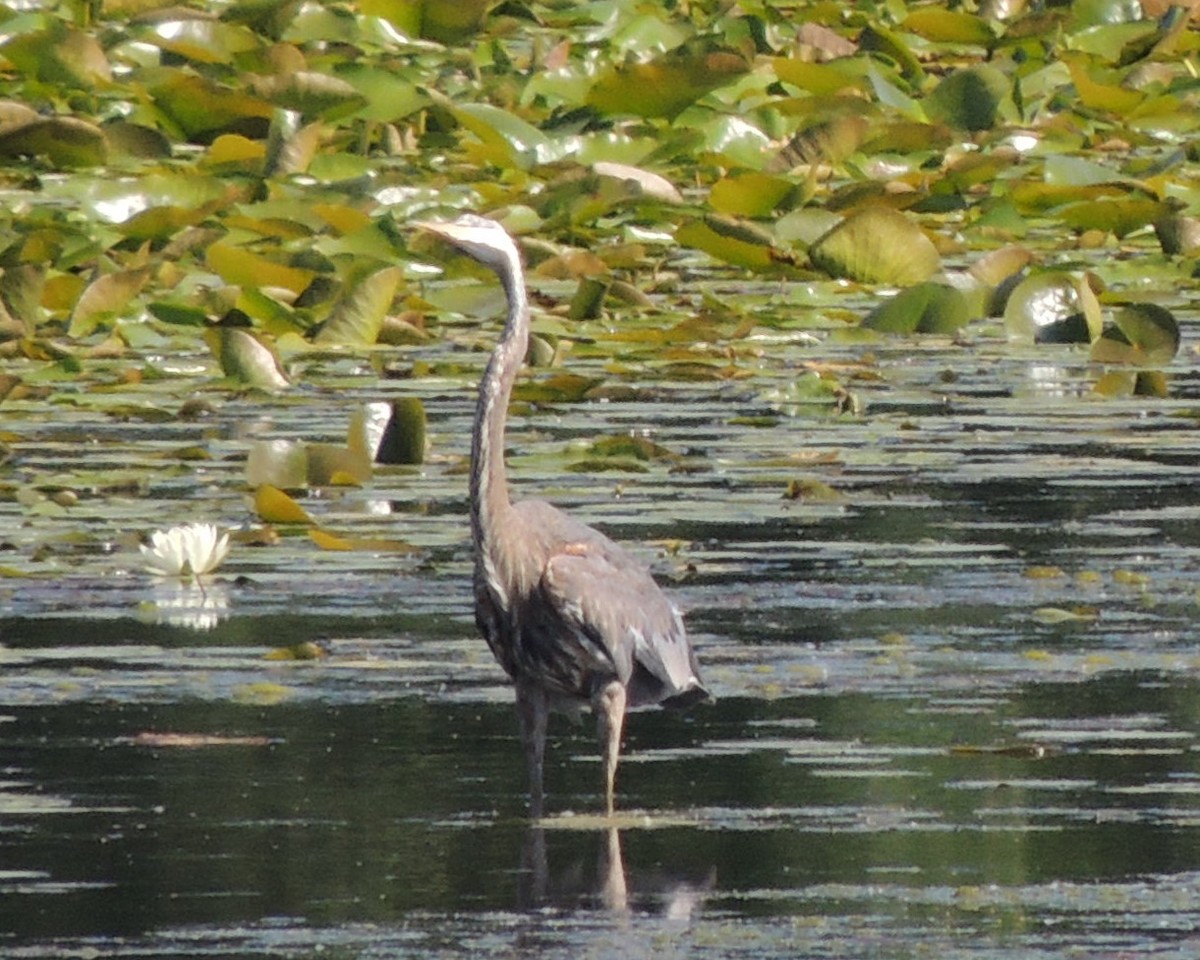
[572, 618]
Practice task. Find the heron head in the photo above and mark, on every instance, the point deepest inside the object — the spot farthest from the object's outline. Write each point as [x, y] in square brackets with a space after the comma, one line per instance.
[479, 238]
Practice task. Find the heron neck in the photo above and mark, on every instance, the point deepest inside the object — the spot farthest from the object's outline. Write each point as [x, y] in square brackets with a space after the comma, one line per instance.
[490, 502]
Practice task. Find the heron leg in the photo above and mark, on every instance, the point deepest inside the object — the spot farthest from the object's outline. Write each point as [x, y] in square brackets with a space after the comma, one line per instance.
[533, 712]
[609, 706]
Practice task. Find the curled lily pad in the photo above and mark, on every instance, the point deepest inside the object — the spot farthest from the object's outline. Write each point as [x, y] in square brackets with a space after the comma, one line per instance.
[1141, 333]
[1053, 307]
[876, 245]
[359, 315]
[246, 359]
[924, 308]
[403, 440]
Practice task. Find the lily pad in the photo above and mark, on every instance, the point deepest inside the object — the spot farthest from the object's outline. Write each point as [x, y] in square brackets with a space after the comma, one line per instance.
[1053, 307]
[403, 439]
[1140, 334]
[927, 307]
[246, 359]
[970, 99]
[876, 245]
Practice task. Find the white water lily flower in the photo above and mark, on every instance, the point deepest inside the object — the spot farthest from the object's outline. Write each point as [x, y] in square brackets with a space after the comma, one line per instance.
[187, 552]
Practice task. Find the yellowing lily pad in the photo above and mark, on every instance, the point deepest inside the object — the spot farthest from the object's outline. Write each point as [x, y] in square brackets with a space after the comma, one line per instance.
[274, 506]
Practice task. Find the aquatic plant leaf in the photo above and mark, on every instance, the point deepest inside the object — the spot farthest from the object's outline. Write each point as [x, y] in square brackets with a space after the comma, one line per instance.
[202, 40]
[1053, 307]
[588, 301]
[239, 266]
[290, 146]
[1119, 217]
[334, 465]
[359, 314]
[60, 55]
[1097, 94]
[310, 93]
[202, 108]
[664, 87]
[749, 194]
[404, 437]
[104, 299]
[278, 463]
[1141, 334]
[950, 26]
[645, 182]
[1002, 264]
[1178, 234]
[924, 308]
[733, 242]
[274, 506]
[824, 79]
[246, 359]
[432, 19]
[332, 541]
[880, 40]
[513, 142]
[64, 141]
[970, 99]
[876, 245]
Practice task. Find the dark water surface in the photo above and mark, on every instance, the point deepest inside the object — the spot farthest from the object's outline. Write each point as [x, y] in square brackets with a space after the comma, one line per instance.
[957, 700]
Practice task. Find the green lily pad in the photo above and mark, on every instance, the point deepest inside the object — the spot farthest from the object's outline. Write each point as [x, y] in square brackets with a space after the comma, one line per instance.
[736, 242]
[876, 245]
[950, 26]
[970, 99]
[924, 308]
[1053, 307]
[664, 87]
[403, 439]
[1140, 334]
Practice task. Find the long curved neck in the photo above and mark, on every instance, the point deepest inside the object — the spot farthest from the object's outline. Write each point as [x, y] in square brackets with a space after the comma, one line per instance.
[490, 502]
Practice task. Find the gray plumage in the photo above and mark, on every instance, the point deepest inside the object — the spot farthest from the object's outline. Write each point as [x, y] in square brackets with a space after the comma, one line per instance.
[571, 617]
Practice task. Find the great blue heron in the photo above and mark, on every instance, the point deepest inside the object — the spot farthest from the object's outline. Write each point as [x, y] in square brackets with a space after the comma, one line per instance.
[572, 618]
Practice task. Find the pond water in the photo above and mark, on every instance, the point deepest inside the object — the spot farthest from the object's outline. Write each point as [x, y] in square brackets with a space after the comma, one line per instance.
[956, 681]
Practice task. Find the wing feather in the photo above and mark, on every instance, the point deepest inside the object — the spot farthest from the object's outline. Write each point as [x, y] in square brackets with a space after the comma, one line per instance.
[608, 599]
